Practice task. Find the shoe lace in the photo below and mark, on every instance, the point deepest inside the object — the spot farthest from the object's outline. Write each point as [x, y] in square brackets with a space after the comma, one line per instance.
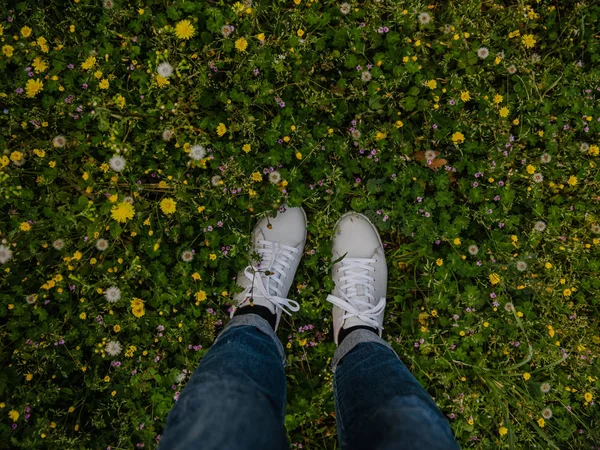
[276, 256]
[356, 272]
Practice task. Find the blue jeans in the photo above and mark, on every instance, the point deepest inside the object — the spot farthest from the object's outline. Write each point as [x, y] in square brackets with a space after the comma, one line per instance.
[236, 398]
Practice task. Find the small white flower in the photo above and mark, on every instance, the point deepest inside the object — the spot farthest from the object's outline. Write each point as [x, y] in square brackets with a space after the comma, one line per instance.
[113, 294]
[521, 266]
[58, 244]
[483, 52]
[113, 348]
[345, 8]
[547, 413]
[165, 69]
[535, 58]
[540, 226]
[216, 180]
[226, 30]
[31, 298]
[187, 255]
[538, 177]
[473, 250]
[429, 155]
[180, 377]
[366, 76]
[167, 135]
[509, 307]
[546, 158]
[275, 177]
[59, 141]
[5, 254]
[197, 152]
[117, 163]
[424, 18]
[545, 388]
[101, 244]
[584, 147]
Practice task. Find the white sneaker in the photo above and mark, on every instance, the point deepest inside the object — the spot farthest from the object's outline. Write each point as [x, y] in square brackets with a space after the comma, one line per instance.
[281, 249]
[360, 278]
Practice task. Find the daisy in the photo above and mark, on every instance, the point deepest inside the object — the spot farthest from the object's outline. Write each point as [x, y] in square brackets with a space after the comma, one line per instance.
[197, 152]
[31, 298]
[366, 76]
[165, 69]
[58, 244]
[539, 226]
[546, 158]
[187, 255]
[101, 244]
[59, 141]
[538, 177]
[113, 294]
[167, 135]
[521, 266]
[275, 177]
[216, 180]
[5, 254]
[117, 163]
[483, 52]
[473, 249]
[545, 388]
[113, 348]
[547, 413]
[424, 18]
[345, 8]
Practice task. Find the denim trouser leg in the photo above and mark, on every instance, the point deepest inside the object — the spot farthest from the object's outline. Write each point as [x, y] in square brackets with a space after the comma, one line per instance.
[236, 398]
[379, 404]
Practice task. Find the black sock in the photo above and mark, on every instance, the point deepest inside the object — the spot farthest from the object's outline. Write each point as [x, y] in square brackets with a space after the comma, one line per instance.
[346, 331]
[259, 310]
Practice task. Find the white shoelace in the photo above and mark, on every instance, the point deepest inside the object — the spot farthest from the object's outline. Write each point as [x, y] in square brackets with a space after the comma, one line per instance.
[274, 259]
[350, 301]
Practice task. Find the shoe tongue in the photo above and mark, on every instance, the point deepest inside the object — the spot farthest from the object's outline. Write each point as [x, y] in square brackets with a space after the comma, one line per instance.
[359, 288]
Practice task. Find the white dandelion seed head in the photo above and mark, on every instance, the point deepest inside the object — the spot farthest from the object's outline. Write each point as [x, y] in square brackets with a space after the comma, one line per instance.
[535, 58]
[509, 307]
[101, 244]
[483, 52]
[31, 298]
[113, 294]
[58, 244]
[447, 28]
[226, 30]
[473, 249]
[167, 135]
[128, 199]
[546, 158]
[547, 413]
[197, 152]
[595, 228]
[165, 69]
[366, 76]
[512, 69]
[247, 3]
[215, 181]
[538, 177]
[521, 266]
[275, 177]
[117, 163]
[59, 141]
[545, 387]
[345, 8]
[430, 155]
[500, 55]
[540, 226]
[355, 133]
[187, 255]
[113, 348]
[180, 377]
[5, 254]
[584, 147]
[108, 4]
[424, 18]
[19, 162]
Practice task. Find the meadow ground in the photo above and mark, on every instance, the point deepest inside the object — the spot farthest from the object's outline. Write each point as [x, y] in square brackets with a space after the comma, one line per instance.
[141, 141]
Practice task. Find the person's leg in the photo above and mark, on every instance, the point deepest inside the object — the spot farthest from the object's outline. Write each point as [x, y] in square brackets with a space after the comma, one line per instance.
[379, 403]
[236, 398]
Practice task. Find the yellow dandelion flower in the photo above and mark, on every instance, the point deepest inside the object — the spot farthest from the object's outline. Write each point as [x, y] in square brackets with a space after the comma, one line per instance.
[39, 65]
[528, 40]
[498, 98]
[260, 36]
[212, 256]
[168, 206]
[588, 397]
[14, 415]
[530, 169]
[200, 296]
[103, 84]
[221, 129]
[88, 63]
[465, 96]
[541, 422]
[502, 431]
[122, 212]
[8, 50]
[300, 33]
[33, 87]
[439, 262]
[494, 279]
[572, 180]
[504, 112]
[241, 44]
[24, 226]
[458, 138]
[246, 148]
[256, 176]
[184, 29]
[162, 81]
[526, 376]
[25, 32]
[594, 150]
[431, 84]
